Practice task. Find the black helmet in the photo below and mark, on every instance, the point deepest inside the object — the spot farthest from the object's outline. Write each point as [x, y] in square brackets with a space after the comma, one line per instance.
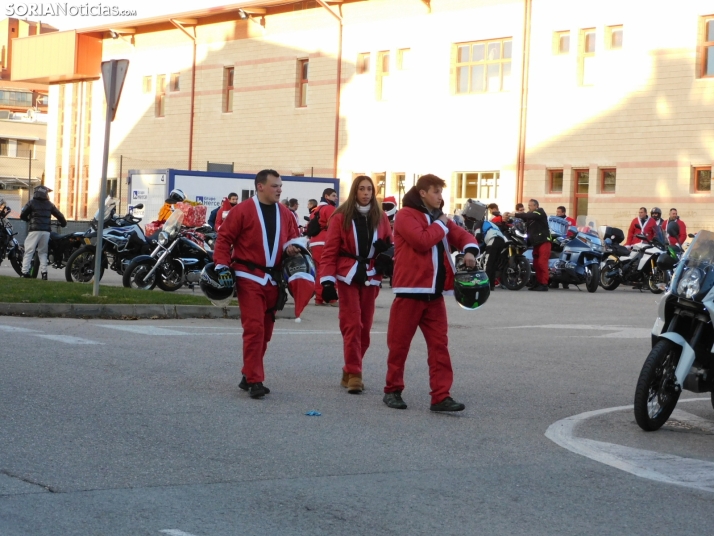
[219, 294]
[667, 260]
[471, 289]
[41, 192]
[656, 210]
[176, 196]
[384, 263]
[302, 263]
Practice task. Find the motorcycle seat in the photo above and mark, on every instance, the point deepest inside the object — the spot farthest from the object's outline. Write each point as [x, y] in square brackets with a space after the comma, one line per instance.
[620, 251]
[55, 236]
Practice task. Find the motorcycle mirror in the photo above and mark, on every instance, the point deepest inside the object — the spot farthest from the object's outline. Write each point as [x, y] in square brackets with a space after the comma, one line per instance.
[139, 206]
[691, 235]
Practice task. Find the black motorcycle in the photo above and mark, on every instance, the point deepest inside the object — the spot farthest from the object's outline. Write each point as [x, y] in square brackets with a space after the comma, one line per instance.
[123, 240]
[682, 338]
[177, 260]
[9, 246]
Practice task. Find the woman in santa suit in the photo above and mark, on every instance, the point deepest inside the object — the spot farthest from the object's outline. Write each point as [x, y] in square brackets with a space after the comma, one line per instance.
[358, 231]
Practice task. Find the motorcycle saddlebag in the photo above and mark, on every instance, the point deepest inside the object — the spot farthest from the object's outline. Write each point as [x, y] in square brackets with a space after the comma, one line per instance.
[614, 234]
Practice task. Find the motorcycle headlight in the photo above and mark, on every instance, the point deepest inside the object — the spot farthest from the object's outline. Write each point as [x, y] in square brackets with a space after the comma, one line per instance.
[689, 284]
[163, 238]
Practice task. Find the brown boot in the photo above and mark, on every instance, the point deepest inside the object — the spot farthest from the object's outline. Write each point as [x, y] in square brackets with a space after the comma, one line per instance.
[345, 377]
[354, 384]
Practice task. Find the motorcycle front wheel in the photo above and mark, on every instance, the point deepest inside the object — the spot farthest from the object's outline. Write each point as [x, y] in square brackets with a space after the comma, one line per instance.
[592, 277]
[517, 273]
[606, 282]
[655, 394]
[135, 275]
[656, 278]
[171, 277]
[80, 266]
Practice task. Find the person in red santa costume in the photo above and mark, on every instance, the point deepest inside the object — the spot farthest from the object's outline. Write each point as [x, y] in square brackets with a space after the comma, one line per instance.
[423, 272]
[252, 241]
[324, 210]
[359, 231]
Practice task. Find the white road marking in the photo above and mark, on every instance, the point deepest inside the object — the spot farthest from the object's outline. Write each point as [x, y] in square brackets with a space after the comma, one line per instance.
[67, 339]
[175, 532]
[16, 329]
[687, 472]
[144, 330]
[693, 420]
[158, 331]
[628, 333]
[621, 332]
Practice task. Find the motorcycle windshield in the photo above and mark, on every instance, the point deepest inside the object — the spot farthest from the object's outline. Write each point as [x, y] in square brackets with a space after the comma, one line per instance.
[173, 224]
[558, 226]
[694, 276]
[659, 235]
[110, 206]
[590, 233]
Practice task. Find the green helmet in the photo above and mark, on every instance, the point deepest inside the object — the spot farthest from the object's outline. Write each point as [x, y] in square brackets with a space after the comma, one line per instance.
[471, 289]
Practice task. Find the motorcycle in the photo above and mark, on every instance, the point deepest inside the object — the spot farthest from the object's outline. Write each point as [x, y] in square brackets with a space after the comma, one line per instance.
[123, 240]
[682, 336]
[10, 248]
[578, 261]
[177, 260]
[637, 266]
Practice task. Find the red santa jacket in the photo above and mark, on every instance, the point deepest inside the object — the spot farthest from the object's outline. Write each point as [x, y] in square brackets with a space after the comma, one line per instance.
[673, 240]
[333, 265]
[647, 230]
[323, 211]
[243, 230]
[223, 212]
[415, 251]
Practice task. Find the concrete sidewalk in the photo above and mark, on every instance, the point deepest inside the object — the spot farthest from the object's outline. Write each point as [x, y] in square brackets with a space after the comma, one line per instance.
[126, 311]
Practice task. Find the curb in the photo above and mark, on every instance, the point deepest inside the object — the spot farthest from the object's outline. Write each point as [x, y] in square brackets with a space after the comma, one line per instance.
[124, 311]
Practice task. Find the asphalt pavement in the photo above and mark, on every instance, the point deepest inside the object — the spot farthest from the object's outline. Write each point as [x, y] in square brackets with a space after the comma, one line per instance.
[139, 428]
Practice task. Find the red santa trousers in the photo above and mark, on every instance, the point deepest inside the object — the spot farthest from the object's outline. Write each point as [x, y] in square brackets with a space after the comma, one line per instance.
[541, 254]
[430, 316]
[356, 315]
[316, 256]
[254, 301]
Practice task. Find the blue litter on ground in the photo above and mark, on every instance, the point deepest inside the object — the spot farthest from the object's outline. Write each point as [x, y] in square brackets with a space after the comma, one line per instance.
[313, 413]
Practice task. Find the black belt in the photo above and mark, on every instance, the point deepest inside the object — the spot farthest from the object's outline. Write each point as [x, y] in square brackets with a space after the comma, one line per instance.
[277, 275]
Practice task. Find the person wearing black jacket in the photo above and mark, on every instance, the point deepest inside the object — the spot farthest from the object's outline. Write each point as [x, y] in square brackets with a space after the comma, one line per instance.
[538, 234]
[38, 212]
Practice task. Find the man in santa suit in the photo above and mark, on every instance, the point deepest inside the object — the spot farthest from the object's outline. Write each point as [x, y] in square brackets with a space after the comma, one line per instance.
[325, 208]
[646, 228]
[423, 272]
[252, 241]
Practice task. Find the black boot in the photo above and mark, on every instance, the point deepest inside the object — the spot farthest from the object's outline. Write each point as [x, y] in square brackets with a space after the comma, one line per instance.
[44, 276]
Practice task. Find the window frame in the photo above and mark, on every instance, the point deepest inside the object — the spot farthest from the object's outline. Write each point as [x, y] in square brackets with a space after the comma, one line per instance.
[456, 65]
[609, 32]
[696, 181]
[400, 58]
[363, 63]
[381, 73]
[550, 180]
[557, 36]
[160, 96]
[584, 55]
[704, 46]
[303, 82]
[229, 74]
[147, 84]
[175, 82]
[602, 180]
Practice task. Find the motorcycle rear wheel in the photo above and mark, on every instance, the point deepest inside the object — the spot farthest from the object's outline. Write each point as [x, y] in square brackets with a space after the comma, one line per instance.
[517, 273]
[655, 395]
[134, 275]
[592, 277]
[608, 283]
[171, 277]
[80, 266]
[16, 259]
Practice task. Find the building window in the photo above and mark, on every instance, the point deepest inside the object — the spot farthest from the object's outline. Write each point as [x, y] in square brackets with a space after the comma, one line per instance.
[25, 149]
[4, 147]
[608, 179]
[71, 189]
[613, 37]
[363, 63]
[555, 180]
[383, 85]
[483, 66]
[404, 59]
[228, 80]
[58, 187]
[160, 103]
[246, 194]
[303, 68]
[174, 84]
[582, 192]
[481, 185]
[20, 99]
[702, 179]
[146, 86]
[380, 183]
[561, 42]
[587, 56]
[707, 48]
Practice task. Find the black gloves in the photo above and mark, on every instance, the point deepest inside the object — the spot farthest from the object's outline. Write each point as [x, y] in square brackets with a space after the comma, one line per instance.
[329, 292]
[381, 245]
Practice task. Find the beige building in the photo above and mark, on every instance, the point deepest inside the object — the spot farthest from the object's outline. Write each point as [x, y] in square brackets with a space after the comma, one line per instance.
[599, 107]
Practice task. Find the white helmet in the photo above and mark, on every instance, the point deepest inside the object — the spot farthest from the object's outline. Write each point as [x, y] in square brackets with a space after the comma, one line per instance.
[176, 196]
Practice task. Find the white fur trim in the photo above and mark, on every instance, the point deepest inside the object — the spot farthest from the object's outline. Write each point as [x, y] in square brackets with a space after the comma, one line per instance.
[299, 241]
[408, 290]
[317, 244]
[301, 275]
[327, 278]
[443, 226]
[269, 260]
[262, 280]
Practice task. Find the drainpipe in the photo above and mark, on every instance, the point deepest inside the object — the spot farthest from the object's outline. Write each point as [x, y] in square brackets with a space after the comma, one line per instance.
[339, 85]
[520, 172]
[180, 25]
